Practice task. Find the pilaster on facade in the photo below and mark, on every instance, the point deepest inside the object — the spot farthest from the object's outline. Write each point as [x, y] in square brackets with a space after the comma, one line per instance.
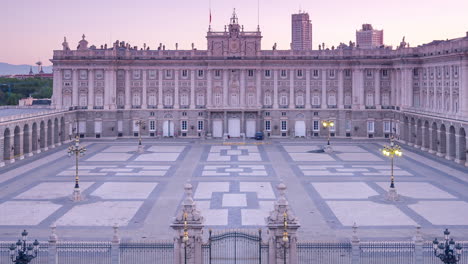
[144, 96]
[258, 88]
[75, 87]
[340, 89]
[209, 87]
[57, 88]
[90, 89]
[225, 87]
[463, 89]
[291, 89]
[307, 101]
[242, 88]
[128, 104]
[176, 89]
[377, 89]
[323, 100]
[275, 89]
[192, 87]
[160, 89]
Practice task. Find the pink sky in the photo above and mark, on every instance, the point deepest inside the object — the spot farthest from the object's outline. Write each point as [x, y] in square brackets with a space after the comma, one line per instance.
[31, 29]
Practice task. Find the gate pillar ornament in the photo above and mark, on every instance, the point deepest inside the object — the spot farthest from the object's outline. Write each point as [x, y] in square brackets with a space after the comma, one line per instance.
[282, 229]
[188, 231]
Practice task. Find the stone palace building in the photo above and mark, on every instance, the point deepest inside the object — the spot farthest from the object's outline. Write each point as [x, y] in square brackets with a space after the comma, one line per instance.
[236, 88]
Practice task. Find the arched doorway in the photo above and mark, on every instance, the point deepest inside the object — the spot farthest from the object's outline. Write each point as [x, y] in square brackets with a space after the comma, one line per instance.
[443, 140]
[462, 147]
[56, 131]
[34, 139]
[26, 135]
[17, 143]
[452, 143]
[6, 144]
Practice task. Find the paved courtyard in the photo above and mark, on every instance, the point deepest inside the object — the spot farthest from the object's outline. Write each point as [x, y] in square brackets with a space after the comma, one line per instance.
[234, 187]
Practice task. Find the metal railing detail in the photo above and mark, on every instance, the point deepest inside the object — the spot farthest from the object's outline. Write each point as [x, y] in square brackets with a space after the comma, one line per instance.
[324, 252]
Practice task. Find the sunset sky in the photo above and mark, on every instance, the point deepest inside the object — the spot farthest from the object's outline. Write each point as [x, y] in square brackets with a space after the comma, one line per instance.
[31, 29]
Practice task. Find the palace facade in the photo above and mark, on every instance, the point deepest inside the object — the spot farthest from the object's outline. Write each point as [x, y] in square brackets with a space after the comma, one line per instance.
[234, 87]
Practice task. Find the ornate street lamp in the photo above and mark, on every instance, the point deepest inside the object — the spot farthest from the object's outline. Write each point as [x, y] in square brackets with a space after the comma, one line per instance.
[328, 124]
[392, 151]
[447, 252]
[285, 235]
[77, 151]
[185, 238]
[22, 254]
[140, 124]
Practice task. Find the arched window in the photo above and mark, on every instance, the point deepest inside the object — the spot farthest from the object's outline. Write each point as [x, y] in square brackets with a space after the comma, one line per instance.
[283, 99]
[217, 99]
[67, 100]
[385, 99]
[300, 99]
[315, 99]
[251, 100]
[267, 98]
[332, 99]
[152, 100]
[83, 100]
[369, 99]
[234, 99]
[99, 99]
[200, 99]
[168, 100]
[120, 99]
[136, 99]
[347, 99]
[184, 99]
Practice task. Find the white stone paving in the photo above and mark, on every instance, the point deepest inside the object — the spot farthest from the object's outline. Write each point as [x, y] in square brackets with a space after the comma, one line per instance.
[443, 212]
[358, 157]
[158, 157]
[26, 212]
[164, 149]
[120, 149]
[234, 200]
[125, 190]
[263, 189]
[311, 157]
[418, 190]
[344, 190]
[205, 189]
[366, 213]
[110, 157]
[53, 190]
[230, 170]
[340, 170]
[258, 216]
[106, 213]
[226, 153]
[213, 217]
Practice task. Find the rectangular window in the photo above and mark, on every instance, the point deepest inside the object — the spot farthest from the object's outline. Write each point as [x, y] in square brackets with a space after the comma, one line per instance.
[333, 128]
[267, 73]
[386, 126]
[331, 73]
[348, 125]
[200, 125]
[267, 113]
[217, 73]
[347, 73]
[267, 125]
[316, 125]
[299, 73]
[184, 73]
[283, 73]
[370, 126]
[250, 73]
[384, 73]
[283, 113]
[183, 125]
[152, 125]
[315, 73]
[200, 73]
[168, 73]
[284, 125]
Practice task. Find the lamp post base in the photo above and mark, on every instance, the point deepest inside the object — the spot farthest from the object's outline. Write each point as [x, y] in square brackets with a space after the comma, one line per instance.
[77, 195]
[392, 195]
[328, 149]
[140, 149]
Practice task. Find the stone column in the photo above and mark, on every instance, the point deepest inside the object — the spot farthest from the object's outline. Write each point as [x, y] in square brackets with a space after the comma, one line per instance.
[30, 141]
[90, 89]
[52, 247]
[324, 89]
[466, 162]
[448, 147]
[188, 231]
[340, 89]
[242, 88]
[192, 88]
[2, 158]
[423, 136]
[393, 79]
[46, 143]
[282, 226]
[409, 87]
[418, 246]
[21, 145]
[144, 103]
[377, 89]
[225, 87]
[291, 89]
[115, 246]
[362, 94]
[427, 98]
[431, 141]
[355, 247]
[128, 101]
[107, 88]
[75, 87]
[176, 89]
[275, 89]
[57, 96]
[458, 149]
[258, 88]
[307, 100]
[439, 144]
[451, 108]
[160, 89]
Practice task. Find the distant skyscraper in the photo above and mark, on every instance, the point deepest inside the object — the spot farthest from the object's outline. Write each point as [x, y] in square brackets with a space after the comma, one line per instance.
[301, 32]
[369, 38]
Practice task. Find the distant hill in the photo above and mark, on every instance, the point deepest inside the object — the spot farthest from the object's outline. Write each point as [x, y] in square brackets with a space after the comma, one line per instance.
[7, 69]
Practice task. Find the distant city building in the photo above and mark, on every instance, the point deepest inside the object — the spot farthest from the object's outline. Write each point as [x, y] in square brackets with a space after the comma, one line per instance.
[369, 38]
[29, 101]
[31, 74]
[301, 32]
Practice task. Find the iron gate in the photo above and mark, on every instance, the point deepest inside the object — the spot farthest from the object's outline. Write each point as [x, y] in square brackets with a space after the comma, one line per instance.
[234, 247]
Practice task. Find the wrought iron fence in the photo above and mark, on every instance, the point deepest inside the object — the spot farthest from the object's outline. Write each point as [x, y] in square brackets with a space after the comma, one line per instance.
[84, 252]
[160, 252]
[387, 252]
[324, 252]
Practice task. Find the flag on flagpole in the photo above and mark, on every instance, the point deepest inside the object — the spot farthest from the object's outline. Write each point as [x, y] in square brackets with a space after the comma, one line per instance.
[210, 16]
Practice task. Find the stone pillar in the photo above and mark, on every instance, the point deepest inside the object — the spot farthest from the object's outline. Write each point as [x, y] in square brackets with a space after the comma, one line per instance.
[57, 96]
[258, 88]
[324, 90]
[52, 247]
[393, 79]
[75, 87]
[275, 89]
[46, 143]
[356, 89]
[52, 133]
[30, 141]
[377, 89]
[90, 89]
[176, 89]
[439, 144]
[418, 246]
[242, 88]
[307, 99]
[466, 162]
[128, 101]
[144, 103]
[463, 91]
[409, 87]
[225, 87]
[21, 144]
[448, 147]
[451, 108]
[107, 88]
[291, 90]
[115, 246]
[160, 89]
[188, 231]
[355, 247]
[2, 158]
[282, 226]
[431, 141]
[362, 95]
[340, 89]
[423, 137]
[192, 88]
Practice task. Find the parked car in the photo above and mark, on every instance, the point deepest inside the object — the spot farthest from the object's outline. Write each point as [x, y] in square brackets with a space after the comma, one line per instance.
[259, 136]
